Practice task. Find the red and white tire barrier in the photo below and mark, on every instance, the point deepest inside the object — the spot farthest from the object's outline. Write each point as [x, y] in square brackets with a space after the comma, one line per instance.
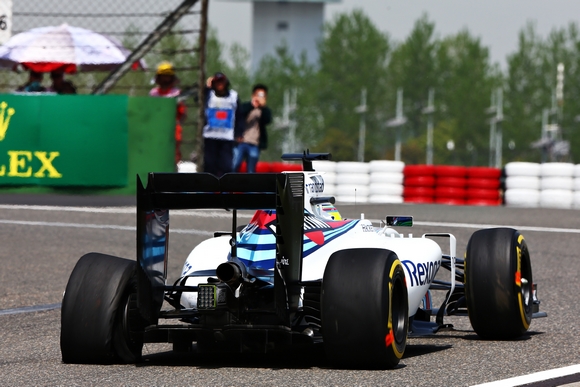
[419, 184]
[549, 185]
[452, 185]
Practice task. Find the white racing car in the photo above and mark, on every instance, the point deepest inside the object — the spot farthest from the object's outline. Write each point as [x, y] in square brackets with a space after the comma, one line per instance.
[297, 274]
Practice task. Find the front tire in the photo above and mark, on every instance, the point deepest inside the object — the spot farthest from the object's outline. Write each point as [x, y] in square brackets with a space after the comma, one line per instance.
[498, 283]
[364, 307]
[100, 323]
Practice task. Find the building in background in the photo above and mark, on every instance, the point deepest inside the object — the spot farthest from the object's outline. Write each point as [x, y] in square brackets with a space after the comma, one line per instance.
[296, 23]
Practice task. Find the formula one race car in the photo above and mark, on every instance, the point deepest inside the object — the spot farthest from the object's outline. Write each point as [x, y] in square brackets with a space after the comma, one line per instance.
[297, 274]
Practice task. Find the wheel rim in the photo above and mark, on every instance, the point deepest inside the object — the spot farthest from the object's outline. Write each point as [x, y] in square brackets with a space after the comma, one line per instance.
[526, 283]
[398, 313]
[131, 327]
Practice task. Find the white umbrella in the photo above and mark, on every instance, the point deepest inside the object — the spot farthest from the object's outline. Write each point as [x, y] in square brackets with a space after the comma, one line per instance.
[64, 48]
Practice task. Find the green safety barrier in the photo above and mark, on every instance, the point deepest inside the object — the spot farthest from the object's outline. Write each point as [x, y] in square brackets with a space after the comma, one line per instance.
[82, 141]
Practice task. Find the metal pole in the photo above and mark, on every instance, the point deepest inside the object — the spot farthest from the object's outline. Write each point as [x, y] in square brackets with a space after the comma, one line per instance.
[399, 116]
[429, 111]
[362, 109]
[288, 121]
[544, 138]
[499, 134]
[492, 131]
[202, 75]
[560, 91]
[292, 122]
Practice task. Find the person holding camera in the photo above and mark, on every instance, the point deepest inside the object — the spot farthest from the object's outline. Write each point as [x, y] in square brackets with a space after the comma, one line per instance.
[252, 136]
[222, 120]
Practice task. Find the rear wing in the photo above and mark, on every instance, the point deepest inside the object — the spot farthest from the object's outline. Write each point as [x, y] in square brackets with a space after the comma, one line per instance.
[170, 191]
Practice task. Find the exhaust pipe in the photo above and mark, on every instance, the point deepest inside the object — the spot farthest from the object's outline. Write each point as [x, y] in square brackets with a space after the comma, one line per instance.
[229, 273]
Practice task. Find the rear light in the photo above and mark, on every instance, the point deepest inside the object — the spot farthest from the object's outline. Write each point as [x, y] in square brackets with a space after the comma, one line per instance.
[211, 296]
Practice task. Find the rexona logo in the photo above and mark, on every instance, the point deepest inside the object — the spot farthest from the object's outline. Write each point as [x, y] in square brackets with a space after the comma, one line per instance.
[19, 161]
[421, 273]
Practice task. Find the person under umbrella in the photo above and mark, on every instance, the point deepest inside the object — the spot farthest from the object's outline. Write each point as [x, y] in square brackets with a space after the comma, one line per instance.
[34, 83]
[61, 85]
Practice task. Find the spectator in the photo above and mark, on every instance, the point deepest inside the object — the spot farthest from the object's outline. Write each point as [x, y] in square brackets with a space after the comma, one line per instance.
[255, 115]
[34, 84]
[60, 85]
[222, 107]
[166, 81]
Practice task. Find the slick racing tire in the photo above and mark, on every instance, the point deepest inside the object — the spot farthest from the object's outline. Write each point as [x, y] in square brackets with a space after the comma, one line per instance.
[100, 322]
[498, 284]
[364, 309]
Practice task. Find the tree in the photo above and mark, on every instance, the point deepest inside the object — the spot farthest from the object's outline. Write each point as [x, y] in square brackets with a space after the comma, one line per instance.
[413, 68]
[283, 73]
[531, 86]
[458, 68]
[466, 79]
[353, 55]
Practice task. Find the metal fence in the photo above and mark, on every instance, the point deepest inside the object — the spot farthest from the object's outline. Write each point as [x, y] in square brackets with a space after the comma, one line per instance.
[131, 22]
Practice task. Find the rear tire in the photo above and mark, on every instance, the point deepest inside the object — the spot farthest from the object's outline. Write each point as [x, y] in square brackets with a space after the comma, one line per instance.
[100, 322]
[498, 283]
[364, 307]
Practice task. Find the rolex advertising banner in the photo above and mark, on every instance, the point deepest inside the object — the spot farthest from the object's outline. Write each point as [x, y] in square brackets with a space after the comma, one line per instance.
[57, 140]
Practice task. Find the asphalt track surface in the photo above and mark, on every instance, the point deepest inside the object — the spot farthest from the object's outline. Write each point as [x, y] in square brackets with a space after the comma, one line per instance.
[40, 246]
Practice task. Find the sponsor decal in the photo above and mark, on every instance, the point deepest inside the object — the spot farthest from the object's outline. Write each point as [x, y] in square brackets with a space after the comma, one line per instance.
[5, 116]
[257, 241]
[316, 186]
[422, 273]
[19, 162]
[367, 228]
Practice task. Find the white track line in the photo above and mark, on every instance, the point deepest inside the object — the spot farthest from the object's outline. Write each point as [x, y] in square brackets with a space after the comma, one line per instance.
[480, 226]
[228, 215]
[120, 210]
[536, 377]
[98, 226]
[28, 309]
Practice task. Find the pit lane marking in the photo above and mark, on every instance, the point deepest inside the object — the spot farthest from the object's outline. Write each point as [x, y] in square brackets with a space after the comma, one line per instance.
[558, 375]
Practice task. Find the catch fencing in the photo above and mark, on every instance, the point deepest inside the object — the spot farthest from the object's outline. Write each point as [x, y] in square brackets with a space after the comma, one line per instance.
[130, 22]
